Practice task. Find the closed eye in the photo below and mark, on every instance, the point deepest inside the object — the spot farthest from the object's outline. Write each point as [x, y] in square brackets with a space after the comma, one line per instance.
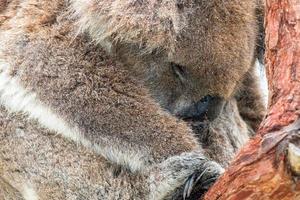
[178, 71]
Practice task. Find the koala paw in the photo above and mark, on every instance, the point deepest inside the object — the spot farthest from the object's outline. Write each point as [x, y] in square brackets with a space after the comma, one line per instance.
[201, 180]
[186, 176]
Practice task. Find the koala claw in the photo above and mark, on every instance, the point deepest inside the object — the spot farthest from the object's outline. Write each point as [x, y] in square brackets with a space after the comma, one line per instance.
[189, 185]
[201, 180]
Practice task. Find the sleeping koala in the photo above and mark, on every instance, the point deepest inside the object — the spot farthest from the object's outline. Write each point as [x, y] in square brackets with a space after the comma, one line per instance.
[54, 79]
[193, 56]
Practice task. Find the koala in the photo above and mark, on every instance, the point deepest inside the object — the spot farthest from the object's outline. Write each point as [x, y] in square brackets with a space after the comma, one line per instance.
[118, 79]
[192, 55]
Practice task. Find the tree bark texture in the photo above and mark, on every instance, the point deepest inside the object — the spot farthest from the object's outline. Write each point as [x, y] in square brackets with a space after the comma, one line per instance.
[268, 167]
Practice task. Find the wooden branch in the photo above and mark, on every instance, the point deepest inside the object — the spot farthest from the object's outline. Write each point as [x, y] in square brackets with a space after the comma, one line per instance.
[268, 167]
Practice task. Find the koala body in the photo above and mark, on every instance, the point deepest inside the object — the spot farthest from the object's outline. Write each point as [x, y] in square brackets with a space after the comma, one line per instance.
[56, 83]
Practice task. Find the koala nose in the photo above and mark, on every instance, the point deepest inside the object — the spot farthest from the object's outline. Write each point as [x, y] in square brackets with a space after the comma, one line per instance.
[208, 107]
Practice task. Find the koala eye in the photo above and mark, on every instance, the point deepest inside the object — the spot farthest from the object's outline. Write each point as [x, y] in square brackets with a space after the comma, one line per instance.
[178, 71]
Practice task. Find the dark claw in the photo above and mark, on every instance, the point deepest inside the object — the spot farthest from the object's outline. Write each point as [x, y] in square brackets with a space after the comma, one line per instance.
[198, 183]
[188, 187]
[200, 176]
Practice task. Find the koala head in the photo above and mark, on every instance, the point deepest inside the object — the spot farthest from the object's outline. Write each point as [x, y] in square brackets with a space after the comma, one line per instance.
[191, 54]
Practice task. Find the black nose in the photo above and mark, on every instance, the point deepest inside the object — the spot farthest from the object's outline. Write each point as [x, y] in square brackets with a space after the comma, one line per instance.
[208, 107]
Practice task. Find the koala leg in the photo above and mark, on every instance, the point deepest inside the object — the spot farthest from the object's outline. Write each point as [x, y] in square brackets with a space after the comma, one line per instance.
[250, 102]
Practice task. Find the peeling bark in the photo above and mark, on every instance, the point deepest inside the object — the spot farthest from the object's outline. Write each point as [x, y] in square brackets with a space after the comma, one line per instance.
[268, 167]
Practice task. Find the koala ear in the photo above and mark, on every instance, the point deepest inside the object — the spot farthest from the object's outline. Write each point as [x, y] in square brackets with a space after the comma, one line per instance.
[151, 24]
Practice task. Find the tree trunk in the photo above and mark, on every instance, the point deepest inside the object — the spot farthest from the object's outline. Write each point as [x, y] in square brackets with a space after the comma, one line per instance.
[268, 167]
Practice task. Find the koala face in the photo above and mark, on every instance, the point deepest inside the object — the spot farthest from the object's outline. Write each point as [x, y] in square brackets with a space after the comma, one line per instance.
[184, 92]
[195, 80]
[191, 54]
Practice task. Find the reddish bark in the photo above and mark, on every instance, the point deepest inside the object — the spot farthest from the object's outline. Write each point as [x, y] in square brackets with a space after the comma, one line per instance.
[268, 167]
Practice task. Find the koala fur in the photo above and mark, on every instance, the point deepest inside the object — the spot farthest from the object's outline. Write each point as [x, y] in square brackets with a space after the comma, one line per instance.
[56, 83]
[213, 43]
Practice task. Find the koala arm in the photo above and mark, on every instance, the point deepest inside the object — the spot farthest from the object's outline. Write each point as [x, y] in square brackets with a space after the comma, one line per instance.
[97, 102]
[94, 102]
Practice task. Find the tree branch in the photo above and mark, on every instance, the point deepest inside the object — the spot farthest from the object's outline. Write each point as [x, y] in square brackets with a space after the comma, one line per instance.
[268, 167]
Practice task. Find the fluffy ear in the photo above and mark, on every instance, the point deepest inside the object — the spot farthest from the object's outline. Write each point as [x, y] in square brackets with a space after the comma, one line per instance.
[148, 23]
